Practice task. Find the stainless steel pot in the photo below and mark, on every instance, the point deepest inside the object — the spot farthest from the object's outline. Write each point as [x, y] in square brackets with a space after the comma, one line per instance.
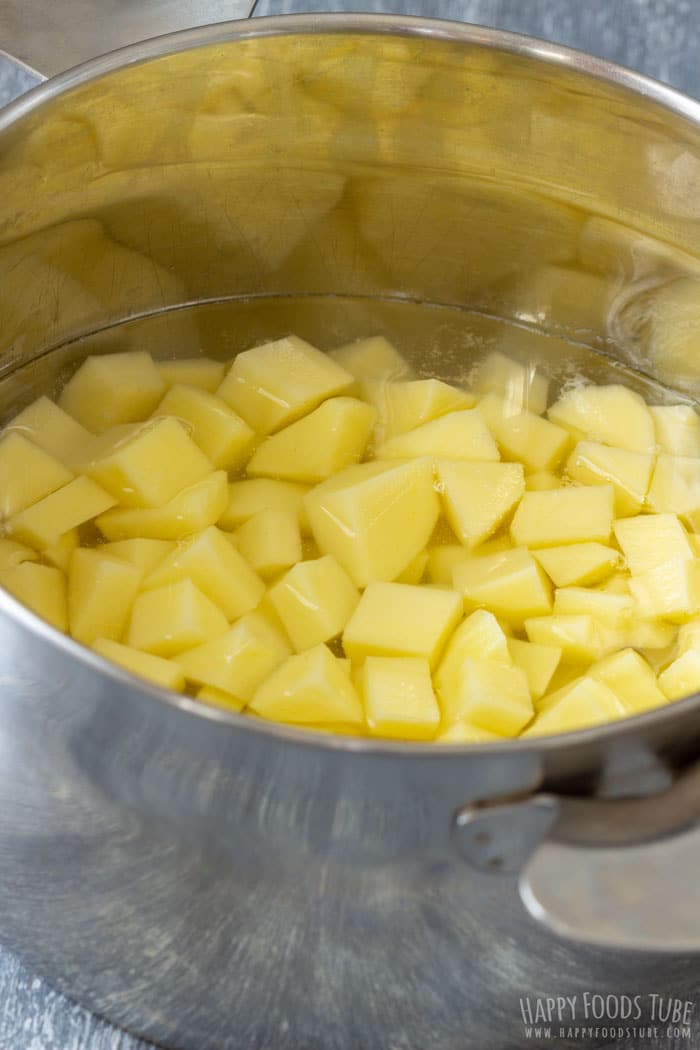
[214, 883]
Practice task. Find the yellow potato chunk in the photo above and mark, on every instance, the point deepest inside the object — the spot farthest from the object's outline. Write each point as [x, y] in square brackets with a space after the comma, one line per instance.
[218, 570]
[650, 635]
[579, 635]
[510, 583]
[310, 687]
[399, 698]
[201, 372]
[675, 488]
[463, 732]
[168, 620]
[101, 593]
[479, 637]
[155, 668]
[522, 387]
[682, 677]
[539, 662]
[404, 406]
[525, 436]
[43, 524]
[374, 358]
[49, 427]
[677, 429]
[42, 588]
[581, 564]
[27, 474]
[457, 435]
[587, 702]
[415, 570]
[670, 591]
[374, 518]
[192, 510]
[145, 465]
[314, 601]
[225, 439]
[397, 619]
[442, 561]
[542, 481]
[113, 389]
[272, 385]
[239, 660]
[673, 332]
[60, 552]
[142, 553]
[628, 472]
[649, 540]
[612, 415]
[270, 541]
[209, 694]
[477, 497]
[250, 496]
[491, 695]
[631, 679]
[613, 610]
[332, 437]
[13, 553]
[572, 515]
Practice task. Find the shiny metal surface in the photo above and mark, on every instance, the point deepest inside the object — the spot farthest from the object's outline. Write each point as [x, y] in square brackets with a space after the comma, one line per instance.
[202, 880]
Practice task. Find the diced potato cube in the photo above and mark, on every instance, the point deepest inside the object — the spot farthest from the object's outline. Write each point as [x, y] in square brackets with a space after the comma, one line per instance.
[650, 635]
[677, 429]
[399, 698]
[191, 511]
[572, 515]
[628, 472]
[671, 591]
[60, 552]
[613, 415]
[374, 358]
[49, 427]
[675, 488]
[332, 437]
[510, 583]
[682, 677]
[542, 481]
[581, 564]
[525, 436]
[218, 570]
[239, 660]
[477, 497]
[270, 541]
[309, 688]
[415, 570]
[374, 518]
[614, 610]
[463, 732]
[40, 587]
[272, 385]
[144, 554]
[673, 332]
[168, 620]
[457, 435]
[579, 636]
[113, 389]
[145, 465]
[13, 553]
[225, 439]
[539, 662]
[27, 474]
[648, 540]
[396, 619]
[145, 665]
[43, 524]
[250, 496]
[522, 387]
[403, 406]
[479, 637]
[201, 372]
[631, 679]
[586, 703]
[101, 592]
[209, 694]
[442, 561]
[688, 636]
[491, 695]
[314, 601]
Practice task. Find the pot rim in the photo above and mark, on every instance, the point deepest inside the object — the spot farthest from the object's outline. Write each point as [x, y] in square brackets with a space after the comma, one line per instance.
[372, 24]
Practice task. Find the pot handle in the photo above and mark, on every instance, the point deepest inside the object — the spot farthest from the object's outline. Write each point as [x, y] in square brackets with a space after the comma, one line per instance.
[47, 37]
[611, 872]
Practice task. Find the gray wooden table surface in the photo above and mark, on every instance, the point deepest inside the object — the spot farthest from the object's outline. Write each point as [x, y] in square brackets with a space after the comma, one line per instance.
[658, 37]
